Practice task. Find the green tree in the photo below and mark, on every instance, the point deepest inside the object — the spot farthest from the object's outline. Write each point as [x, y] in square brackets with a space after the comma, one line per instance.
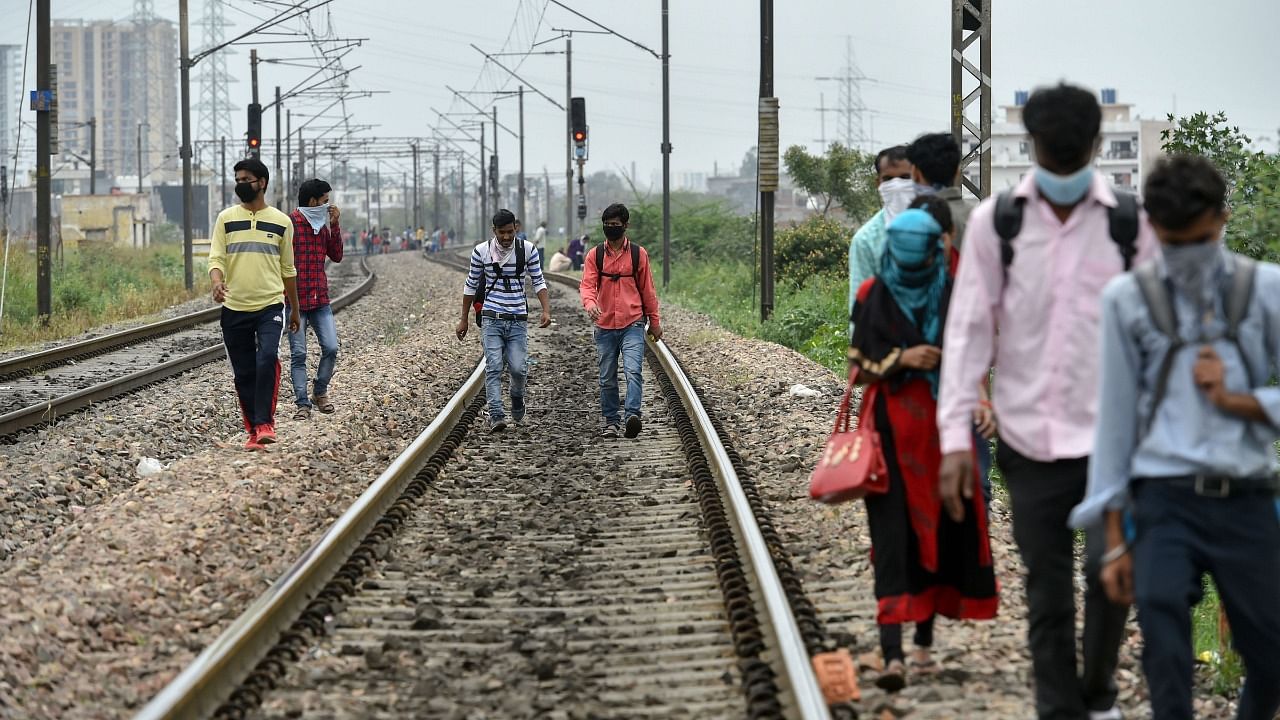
[843, 177]
[1253, 179]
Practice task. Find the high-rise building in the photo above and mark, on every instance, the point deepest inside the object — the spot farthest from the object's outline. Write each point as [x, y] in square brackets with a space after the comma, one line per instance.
[10, 99]
[124, 74]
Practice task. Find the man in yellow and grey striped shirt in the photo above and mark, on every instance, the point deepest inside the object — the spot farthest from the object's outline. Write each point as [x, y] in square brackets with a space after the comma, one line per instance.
[251, 267]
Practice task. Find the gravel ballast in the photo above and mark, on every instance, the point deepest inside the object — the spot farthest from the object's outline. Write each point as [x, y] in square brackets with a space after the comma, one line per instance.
[115, 583]
[986, 667]
[110, 584]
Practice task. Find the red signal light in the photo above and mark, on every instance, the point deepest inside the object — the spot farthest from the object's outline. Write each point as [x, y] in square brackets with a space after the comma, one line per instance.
[254, 142]
[579, 136]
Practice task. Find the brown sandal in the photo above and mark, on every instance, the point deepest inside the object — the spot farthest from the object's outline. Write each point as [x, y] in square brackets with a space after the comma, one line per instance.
[323, 404]
[302, 413]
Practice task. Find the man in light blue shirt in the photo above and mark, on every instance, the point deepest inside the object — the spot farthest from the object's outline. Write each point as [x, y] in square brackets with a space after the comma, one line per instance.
[866, 249]
[1188, 448]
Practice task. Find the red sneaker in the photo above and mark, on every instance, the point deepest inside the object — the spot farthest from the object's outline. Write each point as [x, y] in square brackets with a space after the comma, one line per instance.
[266, 433]
[253, 444]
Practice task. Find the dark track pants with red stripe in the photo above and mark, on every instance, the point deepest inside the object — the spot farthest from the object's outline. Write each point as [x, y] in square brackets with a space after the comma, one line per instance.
[252, 340]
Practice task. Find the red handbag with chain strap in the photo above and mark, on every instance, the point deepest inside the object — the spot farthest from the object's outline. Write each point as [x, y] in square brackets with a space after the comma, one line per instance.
[852, 463]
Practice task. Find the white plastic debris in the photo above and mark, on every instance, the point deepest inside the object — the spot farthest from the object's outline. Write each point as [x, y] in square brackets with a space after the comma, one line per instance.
[148, 467]
[800, 390]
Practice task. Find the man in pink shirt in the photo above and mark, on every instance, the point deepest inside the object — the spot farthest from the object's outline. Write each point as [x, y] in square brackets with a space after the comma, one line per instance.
[1042, 288]
[617, 292]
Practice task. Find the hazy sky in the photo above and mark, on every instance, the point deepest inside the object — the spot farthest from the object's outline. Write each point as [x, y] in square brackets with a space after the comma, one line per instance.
[1210, 56]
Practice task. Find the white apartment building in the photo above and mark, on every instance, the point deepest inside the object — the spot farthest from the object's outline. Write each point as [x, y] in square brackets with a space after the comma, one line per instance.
[1130, 144]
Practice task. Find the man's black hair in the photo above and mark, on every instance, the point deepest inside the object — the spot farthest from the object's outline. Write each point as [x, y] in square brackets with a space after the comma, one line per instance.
[937, 156]
[616, 211]
[1179, 189]
[892, 154]
[254, 167]
[1064, 120]
[504, 217]
[938, 208]
[312, 189]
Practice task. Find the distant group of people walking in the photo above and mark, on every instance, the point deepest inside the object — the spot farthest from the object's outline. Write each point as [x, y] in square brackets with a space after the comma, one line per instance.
[1127, 354]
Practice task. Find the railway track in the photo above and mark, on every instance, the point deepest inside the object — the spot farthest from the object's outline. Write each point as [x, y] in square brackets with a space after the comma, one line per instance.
[45, 386]
[542, 571]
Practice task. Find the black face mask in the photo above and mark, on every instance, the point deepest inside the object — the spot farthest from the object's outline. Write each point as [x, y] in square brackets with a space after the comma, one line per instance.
[246, 192]
[614, 232]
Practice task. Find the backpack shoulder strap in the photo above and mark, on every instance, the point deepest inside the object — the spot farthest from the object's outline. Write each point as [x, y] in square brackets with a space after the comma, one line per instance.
[1159, 302]
[599, 259]
[635, 277]
[1239, 293]
[520, 259]
[1122, 221]
[1008, 222]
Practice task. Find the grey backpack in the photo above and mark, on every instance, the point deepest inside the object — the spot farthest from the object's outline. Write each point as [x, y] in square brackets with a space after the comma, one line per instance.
[1157, 294]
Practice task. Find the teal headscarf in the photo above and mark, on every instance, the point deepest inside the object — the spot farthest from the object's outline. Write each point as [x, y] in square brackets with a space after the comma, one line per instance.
[916, 284]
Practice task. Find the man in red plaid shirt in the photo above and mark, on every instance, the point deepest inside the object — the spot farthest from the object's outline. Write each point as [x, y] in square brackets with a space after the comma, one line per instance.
[316, 236]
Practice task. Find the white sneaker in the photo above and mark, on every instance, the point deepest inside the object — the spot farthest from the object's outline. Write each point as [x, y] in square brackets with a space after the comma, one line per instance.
[1112, 714]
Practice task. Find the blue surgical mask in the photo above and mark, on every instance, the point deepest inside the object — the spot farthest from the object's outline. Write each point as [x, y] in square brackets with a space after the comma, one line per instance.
[1064, 189]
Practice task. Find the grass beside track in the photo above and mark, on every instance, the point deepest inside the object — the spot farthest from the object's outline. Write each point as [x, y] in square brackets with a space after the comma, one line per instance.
[91, 287]
[808, 318]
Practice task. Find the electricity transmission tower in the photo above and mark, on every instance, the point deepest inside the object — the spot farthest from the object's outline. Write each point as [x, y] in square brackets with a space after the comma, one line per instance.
[214, 107]
[849, 108]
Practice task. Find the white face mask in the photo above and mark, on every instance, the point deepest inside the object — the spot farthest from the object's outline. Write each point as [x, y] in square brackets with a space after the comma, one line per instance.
[896, 194]
[316, 216]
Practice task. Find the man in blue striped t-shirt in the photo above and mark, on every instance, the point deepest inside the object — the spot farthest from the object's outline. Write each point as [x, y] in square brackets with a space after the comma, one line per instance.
[496, 264]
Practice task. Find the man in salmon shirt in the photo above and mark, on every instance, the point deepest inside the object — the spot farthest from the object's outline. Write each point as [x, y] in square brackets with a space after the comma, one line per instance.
[617, 292]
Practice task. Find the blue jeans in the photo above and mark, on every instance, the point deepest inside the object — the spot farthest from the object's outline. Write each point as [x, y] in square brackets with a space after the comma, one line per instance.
[629, 342]
[1236, 539]
[505, 340]
[321, 322]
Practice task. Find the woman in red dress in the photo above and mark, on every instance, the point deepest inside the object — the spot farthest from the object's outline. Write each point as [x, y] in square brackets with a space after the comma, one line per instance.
[925, 564]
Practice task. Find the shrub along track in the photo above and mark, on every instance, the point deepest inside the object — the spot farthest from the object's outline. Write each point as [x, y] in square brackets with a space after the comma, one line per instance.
[539, 570]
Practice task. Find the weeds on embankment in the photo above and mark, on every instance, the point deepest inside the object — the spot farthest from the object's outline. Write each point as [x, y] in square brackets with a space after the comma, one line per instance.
[91, 286]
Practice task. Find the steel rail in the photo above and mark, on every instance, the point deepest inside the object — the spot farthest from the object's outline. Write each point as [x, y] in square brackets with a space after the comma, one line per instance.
[210, 679]
[50, 410]
[105, 343]
[805, 690]
[97, 345]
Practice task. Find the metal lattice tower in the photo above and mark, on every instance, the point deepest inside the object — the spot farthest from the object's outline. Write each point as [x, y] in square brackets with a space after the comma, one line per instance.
[214, 108]
[970, 25]
[850, 109]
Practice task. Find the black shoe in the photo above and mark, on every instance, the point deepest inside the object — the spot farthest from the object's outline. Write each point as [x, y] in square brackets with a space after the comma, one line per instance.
[496, 424]
[633, 426]
[517, 410]
[610, 430]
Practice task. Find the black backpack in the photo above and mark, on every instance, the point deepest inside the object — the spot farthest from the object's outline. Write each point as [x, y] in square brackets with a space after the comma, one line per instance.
[1159, 301]
[635, 272]
[478, 303]
[1122, 219]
